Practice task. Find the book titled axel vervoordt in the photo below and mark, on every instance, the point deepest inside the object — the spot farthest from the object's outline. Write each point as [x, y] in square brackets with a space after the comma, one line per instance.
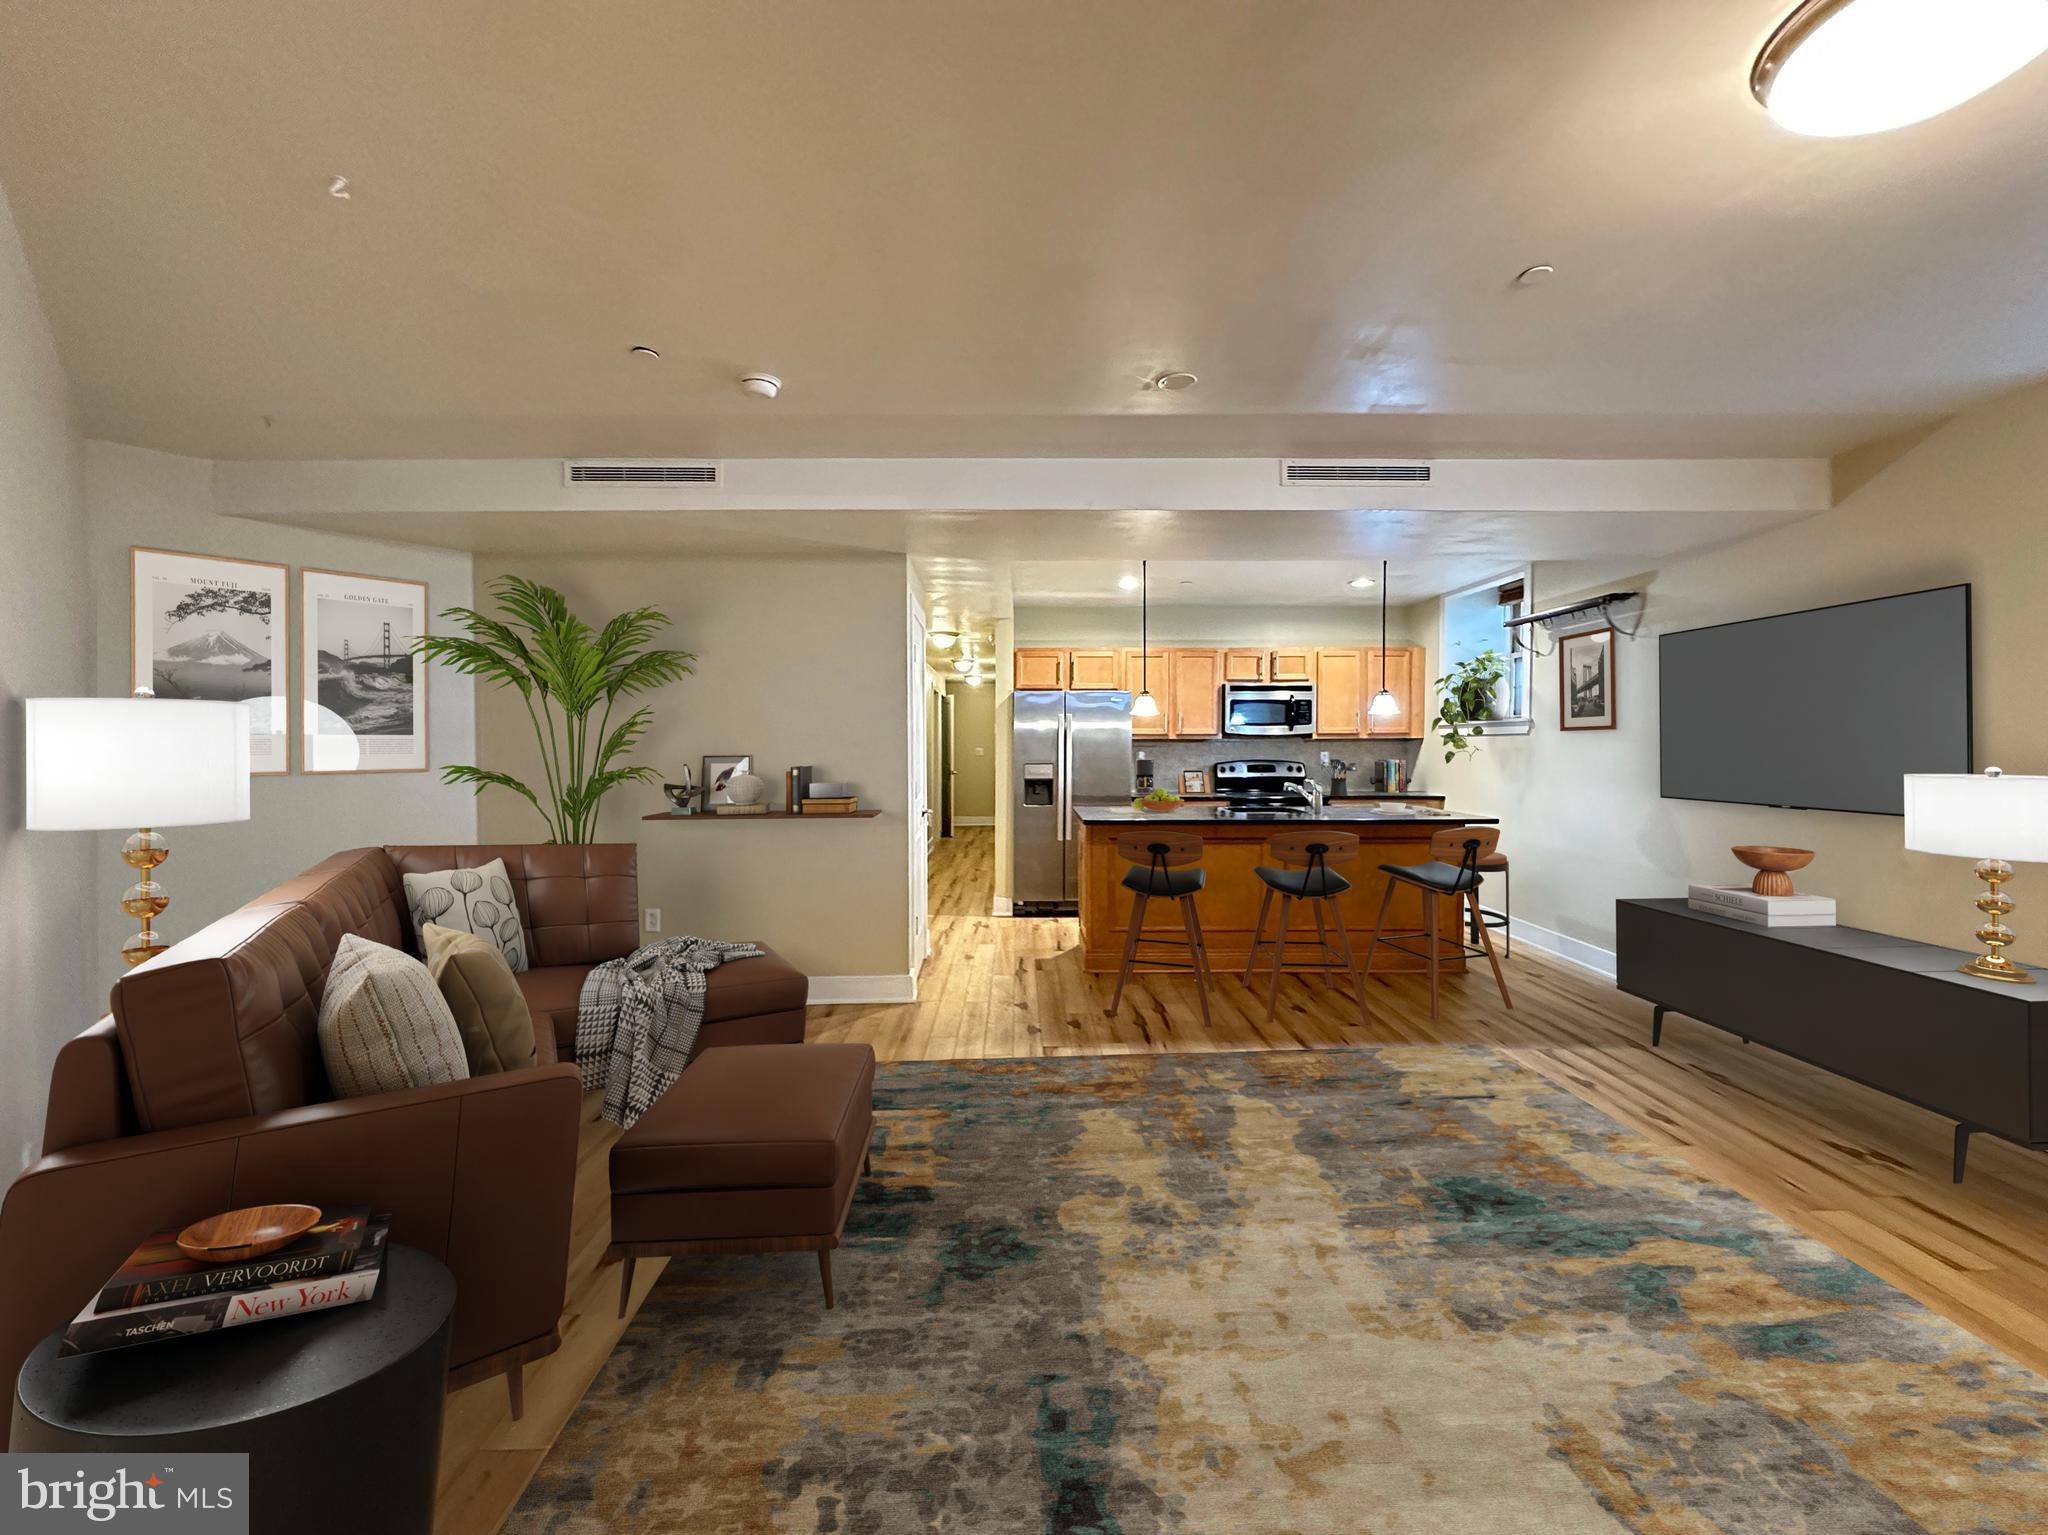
[158, 1271]
[93, 1330]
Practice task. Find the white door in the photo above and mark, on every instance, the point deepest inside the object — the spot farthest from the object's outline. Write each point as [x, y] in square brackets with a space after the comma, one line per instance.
[920, 801]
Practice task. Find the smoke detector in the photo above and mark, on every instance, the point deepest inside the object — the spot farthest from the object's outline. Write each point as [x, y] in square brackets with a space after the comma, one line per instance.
[1174, 381]
[763, 386]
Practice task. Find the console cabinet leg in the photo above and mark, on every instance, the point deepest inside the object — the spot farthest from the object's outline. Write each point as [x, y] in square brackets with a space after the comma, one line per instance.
[1962, 1151]
[1657, 1025]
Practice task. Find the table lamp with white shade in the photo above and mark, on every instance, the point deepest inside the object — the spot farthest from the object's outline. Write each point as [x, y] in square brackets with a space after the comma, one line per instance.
[102, 764]
[1990, 816]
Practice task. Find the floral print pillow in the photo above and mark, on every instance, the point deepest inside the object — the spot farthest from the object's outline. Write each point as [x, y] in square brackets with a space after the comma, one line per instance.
[475, 901]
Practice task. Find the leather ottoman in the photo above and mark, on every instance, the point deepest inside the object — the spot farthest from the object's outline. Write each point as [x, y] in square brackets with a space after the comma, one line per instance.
[756, 1148]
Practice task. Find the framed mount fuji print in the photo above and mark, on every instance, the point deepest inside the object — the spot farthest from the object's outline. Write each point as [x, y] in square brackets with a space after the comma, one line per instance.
[205, 627]
[364, 692]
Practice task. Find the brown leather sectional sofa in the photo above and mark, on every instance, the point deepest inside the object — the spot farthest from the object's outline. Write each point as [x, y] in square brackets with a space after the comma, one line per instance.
[204, 1091]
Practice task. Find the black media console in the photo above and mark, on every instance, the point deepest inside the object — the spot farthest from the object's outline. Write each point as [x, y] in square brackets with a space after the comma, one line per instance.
[1887, 1012]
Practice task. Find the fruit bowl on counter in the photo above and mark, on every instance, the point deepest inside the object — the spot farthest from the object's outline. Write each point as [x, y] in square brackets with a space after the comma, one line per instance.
[1160, 800]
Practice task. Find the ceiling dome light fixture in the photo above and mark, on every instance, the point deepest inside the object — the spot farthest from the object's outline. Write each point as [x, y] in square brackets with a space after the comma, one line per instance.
[1836, 68]
[1144, 706]
[1384, 704]
[942, 639]
[1174, 380]
[763, 386]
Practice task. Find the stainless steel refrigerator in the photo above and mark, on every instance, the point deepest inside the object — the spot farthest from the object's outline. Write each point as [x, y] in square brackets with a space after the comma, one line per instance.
[1066, 749]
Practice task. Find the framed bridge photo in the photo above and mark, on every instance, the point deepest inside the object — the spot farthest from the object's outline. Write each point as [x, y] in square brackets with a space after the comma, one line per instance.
[363, 691]
[205, 627]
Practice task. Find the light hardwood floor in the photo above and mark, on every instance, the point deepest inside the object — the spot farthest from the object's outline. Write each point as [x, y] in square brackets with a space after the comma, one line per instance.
[1862, 1173]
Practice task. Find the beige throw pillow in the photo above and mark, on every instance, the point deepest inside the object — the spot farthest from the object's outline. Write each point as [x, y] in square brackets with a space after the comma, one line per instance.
[479, 988]
[478, 901]
[383, 1025]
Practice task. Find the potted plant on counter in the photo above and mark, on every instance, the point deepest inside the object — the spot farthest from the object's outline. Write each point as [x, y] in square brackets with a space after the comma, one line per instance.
[566, 673]
[1465, 701]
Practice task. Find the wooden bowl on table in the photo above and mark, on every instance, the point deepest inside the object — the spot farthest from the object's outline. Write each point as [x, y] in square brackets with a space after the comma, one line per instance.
[1774, 866]
[242, 1234]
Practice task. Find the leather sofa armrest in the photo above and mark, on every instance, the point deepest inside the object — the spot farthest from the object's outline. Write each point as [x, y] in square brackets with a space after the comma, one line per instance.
[480, 1173]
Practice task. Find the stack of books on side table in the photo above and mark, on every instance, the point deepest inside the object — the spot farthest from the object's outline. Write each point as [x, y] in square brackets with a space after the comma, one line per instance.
[160, 1293]
[1743, 904]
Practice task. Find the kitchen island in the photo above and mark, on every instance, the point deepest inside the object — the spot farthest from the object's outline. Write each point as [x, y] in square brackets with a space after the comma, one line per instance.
[1229, 903]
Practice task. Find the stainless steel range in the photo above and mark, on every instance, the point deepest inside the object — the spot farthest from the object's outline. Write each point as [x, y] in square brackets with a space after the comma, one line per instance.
[1262, 784]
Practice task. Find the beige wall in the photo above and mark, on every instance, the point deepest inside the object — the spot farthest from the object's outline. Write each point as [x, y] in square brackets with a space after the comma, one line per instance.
[974, 748]
[1584, 822]
[50, 882]
[799, 661]
[134, 496]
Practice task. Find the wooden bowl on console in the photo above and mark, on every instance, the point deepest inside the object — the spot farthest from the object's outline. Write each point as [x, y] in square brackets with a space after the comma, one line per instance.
[250, 1233]
[1774, 866]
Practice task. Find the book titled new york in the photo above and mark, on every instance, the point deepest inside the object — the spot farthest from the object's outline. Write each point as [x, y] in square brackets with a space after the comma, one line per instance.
[157, 1271]
[93, 1331]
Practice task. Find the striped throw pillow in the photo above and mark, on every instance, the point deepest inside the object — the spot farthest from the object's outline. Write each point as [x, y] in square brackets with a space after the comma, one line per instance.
[384, 1025]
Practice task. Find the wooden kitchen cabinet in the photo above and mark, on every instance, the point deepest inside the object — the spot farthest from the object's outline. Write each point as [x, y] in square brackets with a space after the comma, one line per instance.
[1296, 665]
[1095, 671]
[1197, 712]
[1245, 666]
[1340, 691]
[1037, 670]
[1404, 681]
[1157, 666]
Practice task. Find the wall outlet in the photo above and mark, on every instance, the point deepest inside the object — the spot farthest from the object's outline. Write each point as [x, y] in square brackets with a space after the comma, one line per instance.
[1326, 758]
[653, 923]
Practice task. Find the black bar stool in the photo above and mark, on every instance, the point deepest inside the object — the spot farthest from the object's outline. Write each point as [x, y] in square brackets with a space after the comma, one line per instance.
[1501, 919]
[1460, 882]
[1307, 874]
[1162, 864]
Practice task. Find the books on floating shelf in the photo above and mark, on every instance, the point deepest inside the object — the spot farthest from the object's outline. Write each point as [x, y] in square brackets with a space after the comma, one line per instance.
[1743, 904]
[218, 1296]
[753, 809]
[831, 805]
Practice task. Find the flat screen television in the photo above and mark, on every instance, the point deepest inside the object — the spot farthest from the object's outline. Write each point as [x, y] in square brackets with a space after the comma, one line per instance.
[1827, 709]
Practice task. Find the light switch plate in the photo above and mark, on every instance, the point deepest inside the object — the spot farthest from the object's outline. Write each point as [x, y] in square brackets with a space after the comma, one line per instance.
[653, 923]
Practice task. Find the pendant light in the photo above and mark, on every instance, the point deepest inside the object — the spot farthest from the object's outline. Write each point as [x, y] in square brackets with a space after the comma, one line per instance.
[1384, 704]
[1144, 706]
[1836, 68]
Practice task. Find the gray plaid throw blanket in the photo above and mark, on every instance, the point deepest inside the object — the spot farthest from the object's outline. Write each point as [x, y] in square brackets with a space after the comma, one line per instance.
[637, 1020]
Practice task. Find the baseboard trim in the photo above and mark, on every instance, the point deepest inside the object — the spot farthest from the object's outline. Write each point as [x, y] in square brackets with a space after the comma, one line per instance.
[834, 990]
[1573, 951]
[974, 820]
[1002, 906]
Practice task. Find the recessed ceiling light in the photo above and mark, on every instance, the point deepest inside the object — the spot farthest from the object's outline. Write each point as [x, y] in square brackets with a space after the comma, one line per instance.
[647, 352]
[1835, 68]
[1127, 583]
[1529, 277]
[337, 186]
[1175, 380]
[764, 386]
[1360, 583]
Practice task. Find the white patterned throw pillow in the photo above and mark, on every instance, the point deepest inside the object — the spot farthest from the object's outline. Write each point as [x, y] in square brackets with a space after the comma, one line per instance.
[384, 1025]
[478, 901]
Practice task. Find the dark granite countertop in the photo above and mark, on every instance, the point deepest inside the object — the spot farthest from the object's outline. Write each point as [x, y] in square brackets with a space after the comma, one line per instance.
[1338, 812]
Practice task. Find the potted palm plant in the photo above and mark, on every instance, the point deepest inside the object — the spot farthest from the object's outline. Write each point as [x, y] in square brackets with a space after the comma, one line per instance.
[568, 674]
[1466, 698]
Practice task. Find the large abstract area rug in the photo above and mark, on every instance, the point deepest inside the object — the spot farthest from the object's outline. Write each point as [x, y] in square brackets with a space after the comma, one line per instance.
[1405, 1289]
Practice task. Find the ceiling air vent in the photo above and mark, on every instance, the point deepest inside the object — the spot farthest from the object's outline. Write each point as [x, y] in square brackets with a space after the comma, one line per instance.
[1301, 471]
[636, 471]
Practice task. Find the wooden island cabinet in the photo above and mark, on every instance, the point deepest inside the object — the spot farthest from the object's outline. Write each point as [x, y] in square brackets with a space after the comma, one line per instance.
[1188, 682]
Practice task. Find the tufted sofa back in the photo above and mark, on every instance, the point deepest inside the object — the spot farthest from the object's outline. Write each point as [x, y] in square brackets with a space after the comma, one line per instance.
[222, 1025]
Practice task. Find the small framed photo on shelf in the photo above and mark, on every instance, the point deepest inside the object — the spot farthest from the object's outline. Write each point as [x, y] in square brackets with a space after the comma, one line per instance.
[719, 772]
[1585, 680]
[365, 691]
[1194, 781]
[205, 627]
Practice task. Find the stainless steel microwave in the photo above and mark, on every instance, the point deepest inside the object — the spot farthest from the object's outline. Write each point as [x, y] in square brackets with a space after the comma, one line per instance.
[1269, 709]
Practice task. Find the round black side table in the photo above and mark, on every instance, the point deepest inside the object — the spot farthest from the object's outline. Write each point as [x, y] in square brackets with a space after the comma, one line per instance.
[340, 1413]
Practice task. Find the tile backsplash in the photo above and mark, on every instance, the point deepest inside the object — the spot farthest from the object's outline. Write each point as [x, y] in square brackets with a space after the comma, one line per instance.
[1170, 757]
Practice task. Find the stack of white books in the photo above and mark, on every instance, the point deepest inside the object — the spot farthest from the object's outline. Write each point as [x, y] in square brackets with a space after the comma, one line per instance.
[1745, 905]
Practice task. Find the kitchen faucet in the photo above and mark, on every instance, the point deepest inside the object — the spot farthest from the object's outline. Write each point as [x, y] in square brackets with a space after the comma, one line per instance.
[1309, 790]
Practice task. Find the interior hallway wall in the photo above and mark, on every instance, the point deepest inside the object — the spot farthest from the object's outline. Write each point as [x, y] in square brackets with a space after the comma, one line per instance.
[974, 749]
[48, 880]
[1582, 817]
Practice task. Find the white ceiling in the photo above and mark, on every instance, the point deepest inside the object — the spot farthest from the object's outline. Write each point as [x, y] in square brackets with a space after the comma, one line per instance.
[978, 228]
